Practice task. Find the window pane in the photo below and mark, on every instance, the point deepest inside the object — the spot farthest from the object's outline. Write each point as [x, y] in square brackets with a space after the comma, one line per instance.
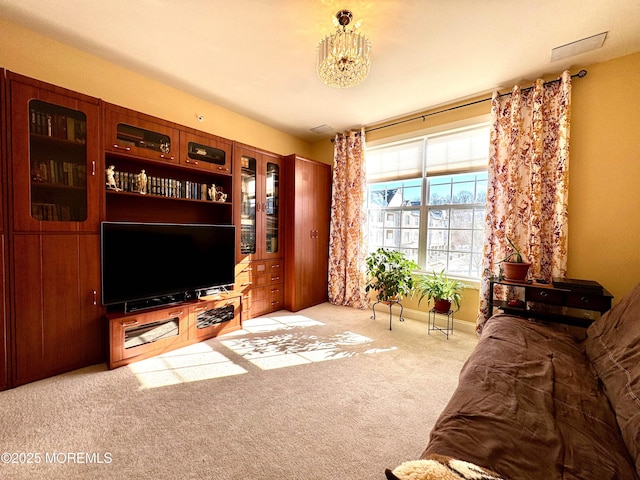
[462, 218]
[438, 218]
[439, 194]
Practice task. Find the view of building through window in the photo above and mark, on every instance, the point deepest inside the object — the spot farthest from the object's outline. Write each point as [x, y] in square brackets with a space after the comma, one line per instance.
[426, 198]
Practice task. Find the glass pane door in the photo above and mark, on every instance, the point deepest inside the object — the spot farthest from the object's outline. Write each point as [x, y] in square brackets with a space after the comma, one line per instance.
[58, 163]
[271, 207]
[248, 206]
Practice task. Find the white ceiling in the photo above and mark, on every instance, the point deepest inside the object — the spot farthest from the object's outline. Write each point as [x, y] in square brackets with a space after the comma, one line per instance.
[257, 57]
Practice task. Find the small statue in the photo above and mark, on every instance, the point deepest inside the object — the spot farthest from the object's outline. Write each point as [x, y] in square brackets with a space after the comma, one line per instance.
[216, 194]
[142, 182]
[212, 192]
[111, 178]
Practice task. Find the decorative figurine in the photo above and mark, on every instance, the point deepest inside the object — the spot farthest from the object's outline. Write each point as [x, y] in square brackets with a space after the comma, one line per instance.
[142, 182]
[216, 194]
[111, 178]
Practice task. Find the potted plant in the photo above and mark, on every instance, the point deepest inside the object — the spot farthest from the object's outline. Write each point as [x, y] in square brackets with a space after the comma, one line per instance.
[389, 272]
[443, 290]
[513, 266]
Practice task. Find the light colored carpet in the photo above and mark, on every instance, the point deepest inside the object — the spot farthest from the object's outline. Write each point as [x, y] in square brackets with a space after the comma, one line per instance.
[324, 393]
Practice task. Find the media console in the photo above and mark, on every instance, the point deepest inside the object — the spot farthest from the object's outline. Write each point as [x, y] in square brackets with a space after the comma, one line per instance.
[143, 334]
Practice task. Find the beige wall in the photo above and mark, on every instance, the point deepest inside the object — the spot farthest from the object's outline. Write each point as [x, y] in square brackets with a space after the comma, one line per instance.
[604, 208]
[25, 52]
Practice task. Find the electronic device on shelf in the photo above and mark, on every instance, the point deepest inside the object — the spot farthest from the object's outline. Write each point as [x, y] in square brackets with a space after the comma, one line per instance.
[147, 265]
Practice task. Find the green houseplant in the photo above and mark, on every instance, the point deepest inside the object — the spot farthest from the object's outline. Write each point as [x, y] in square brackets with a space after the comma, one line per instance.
[513, 266]
[389, 272]
[443, 290]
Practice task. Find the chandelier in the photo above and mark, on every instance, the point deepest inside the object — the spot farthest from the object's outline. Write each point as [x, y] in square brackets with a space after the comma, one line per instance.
[344, 56]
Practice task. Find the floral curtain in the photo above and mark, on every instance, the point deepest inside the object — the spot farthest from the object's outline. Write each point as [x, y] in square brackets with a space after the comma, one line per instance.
[348, 218]
[528, 184]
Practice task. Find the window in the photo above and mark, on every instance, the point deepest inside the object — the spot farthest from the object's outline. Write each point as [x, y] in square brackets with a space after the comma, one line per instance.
[426, 198]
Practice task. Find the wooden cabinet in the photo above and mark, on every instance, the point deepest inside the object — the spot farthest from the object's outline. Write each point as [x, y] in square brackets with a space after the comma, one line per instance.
[53, 158]
[131, 133]
[307, 218]
[57, 322]
[139, 335]
[178, 184]
[258, 218]
[206, 152]
[54, 246]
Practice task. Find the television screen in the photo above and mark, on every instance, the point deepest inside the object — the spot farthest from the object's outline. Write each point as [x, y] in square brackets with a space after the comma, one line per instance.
[142, 261]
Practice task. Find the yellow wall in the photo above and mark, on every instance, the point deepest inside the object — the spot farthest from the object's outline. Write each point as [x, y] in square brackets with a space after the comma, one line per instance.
[25, 52]
[604, 208]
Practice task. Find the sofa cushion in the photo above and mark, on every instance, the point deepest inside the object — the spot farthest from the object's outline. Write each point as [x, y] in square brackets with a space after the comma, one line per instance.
[613, 346]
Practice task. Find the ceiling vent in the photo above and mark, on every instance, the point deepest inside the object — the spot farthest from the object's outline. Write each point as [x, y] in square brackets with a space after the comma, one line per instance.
[578, 47]
[321, 129]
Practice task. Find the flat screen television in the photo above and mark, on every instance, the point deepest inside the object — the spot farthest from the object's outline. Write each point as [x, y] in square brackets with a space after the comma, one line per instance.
[145, 264]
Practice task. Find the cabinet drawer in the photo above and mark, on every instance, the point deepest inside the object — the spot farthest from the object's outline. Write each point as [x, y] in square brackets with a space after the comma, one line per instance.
[589, 302]
[545, 295]
[213, 317]
[141, 334]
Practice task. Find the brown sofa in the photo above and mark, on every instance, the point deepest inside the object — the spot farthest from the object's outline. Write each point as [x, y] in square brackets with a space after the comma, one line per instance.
[537, 403]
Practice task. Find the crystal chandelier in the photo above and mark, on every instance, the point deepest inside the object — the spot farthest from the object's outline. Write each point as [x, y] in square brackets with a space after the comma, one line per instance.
[344, 56]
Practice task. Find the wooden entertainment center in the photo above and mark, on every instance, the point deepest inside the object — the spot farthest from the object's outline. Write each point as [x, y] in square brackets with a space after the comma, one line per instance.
[56, 147]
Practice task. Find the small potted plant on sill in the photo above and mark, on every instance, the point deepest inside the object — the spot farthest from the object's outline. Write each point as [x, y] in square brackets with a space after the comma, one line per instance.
[443, 290]
[390, 274]
[513, 266]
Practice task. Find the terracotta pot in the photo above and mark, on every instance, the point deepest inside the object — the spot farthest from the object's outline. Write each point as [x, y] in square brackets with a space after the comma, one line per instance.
[516, 272]
[442, 306]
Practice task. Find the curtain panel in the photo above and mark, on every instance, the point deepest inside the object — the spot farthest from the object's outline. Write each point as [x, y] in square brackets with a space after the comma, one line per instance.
[528, 185]
[347, 247]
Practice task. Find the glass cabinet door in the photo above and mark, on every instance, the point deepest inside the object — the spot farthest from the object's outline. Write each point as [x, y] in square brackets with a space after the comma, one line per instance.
[58, 163]
[248, 206]
[272, 187]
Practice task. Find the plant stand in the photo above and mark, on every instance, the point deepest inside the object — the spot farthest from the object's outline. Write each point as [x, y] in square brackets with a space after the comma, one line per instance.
[431, 322]
[390, 303]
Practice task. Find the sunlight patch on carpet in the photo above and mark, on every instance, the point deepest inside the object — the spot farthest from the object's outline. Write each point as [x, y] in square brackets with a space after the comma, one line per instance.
[189, 364]
[298, 348]
[275, 323]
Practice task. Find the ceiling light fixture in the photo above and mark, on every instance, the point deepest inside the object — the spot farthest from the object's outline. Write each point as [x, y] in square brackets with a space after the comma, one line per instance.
[344, 57]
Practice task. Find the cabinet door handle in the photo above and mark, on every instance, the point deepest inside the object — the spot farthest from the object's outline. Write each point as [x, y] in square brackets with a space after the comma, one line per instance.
[93, 168]
[194, 162]
[544, 294]
[95, 297]
[126, 149]
[274, 278]
[130, 323]
[584, 299]
[275, 265]
[224, 169]
[168, 157]
[176, 314]
[199, 309]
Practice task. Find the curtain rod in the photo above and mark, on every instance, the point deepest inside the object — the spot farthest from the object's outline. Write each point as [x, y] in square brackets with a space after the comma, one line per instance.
[580, 74]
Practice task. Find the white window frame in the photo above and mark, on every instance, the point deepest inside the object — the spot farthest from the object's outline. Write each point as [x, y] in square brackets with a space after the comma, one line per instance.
[424, 208]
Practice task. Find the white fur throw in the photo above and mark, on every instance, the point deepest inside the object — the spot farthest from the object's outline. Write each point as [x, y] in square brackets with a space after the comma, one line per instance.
[440, 467]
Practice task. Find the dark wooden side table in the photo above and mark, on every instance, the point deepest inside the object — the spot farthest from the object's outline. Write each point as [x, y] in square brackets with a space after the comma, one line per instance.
[543, 301]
